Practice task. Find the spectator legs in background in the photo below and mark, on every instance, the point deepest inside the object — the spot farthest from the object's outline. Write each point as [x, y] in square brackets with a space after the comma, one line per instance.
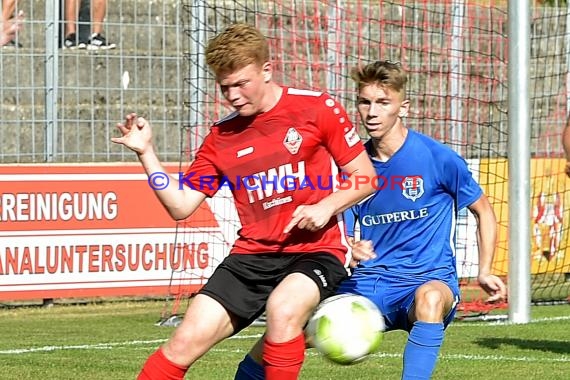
[70, 14]
[10, 24]
[97, 41]
[75, 38]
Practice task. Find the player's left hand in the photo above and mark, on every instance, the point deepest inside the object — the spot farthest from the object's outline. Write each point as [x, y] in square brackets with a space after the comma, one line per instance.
[494, 286]
[136, 134]
[309, 217]
[362, 250]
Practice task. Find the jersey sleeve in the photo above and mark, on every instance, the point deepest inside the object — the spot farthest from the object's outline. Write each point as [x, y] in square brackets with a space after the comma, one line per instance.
[203, 175]
[339, 135]
[350, 218]
[459, 180]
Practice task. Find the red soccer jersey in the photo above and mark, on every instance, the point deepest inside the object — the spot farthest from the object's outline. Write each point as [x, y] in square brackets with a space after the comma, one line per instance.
[276, 161]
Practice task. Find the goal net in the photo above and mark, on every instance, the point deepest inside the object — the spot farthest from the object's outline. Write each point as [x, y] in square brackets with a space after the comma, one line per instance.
[456, 54]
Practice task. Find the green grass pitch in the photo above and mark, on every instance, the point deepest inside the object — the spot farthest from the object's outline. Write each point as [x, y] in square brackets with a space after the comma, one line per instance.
[111, 340]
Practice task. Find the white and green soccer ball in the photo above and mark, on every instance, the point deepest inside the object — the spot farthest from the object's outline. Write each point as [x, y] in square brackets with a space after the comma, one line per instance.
[346, 328]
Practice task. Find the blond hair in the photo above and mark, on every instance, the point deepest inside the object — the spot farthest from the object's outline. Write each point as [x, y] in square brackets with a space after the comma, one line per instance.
[236, 47]
[385, 74]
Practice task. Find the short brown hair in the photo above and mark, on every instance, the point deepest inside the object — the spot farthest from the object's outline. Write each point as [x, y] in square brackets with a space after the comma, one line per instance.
[383, 73]
[235, 48]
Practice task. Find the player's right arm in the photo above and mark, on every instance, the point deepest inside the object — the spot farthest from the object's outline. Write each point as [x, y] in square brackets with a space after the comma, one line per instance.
[566, 145]
[179, 201]
[486, 240]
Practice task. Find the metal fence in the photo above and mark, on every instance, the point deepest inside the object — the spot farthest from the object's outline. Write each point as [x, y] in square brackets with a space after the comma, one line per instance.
[62, 105]
[455, 51]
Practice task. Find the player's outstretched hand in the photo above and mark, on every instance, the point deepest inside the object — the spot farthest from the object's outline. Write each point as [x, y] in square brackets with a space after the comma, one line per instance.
[361, 251]
[494, 286]
[309, 217]
[136, 134]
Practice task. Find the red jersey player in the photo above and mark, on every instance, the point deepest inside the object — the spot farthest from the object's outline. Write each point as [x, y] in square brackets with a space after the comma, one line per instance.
[278, 152]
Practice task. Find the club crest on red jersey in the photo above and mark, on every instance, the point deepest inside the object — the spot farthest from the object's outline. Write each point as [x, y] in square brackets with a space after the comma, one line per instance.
[292, 141]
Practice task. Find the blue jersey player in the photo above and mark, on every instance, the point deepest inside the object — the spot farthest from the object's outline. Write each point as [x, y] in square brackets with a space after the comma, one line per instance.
[404, 259]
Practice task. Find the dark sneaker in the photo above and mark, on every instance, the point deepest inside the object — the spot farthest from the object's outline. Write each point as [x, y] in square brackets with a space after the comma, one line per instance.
[97, 42]
[13, 45]
[71, 42]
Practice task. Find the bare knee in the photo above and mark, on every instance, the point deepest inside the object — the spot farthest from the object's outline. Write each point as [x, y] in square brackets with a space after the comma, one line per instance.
[281, 313]
[430, 305]
[180, 342]
[198, 333]
[289, 306]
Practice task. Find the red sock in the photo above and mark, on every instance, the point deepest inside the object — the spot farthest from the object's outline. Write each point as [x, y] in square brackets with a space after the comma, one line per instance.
[158, 367]
[283, 361]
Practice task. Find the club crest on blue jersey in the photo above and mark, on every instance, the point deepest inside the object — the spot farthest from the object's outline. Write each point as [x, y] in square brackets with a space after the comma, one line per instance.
[413, 188]
[292, 141]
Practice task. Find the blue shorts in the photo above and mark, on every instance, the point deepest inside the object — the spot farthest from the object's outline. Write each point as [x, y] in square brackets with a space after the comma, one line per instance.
[395, 298]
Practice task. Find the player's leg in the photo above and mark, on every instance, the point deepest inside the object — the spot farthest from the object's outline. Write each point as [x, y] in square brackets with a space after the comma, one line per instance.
[230, 301]
[288, 309]
[205, 323]
[433, 308]
[251, 367]
[312, 278]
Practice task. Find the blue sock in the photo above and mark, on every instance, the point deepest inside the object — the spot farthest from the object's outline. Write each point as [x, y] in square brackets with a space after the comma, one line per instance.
[422, 349]
[249, 369]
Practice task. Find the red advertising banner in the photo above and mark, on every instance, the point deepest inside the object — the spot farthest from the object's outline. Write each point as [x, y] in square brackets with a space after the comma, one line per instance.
[97, 230]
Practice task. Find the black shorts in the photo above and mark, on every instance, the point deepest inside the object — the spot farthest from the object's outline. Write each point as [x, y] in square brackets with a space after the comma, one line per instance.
[242, 283]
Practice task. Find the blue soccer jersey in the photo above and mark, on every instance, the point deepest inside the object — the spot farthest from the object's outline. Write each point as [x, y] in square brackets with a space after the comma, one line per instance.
[412, 216]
